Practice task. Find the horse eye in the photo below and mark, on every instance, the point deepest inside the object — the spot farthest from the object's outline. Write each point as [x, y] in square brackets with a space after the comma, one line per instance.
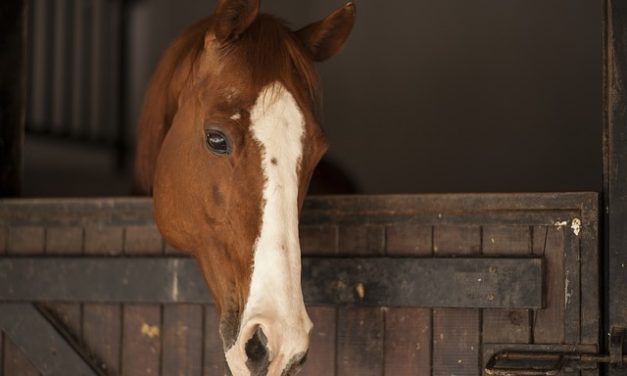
[217, 142]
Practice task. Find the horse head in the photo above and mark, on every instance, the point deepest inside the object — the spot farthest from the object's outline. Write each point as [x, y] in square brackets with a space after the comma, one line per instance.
[228, 141]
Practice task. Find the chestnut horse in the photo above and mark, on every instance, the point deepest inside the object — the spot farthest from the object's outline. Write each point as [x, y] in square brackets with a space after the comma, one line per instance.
[228, 140]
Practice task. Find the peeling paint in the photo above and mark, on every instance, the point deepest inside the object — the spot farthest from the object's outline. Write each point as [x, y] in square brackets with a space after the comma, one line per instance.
[175, 280]
[576, 226]
[150, 331]
[560, 224]
[361, 291]
[567, 292]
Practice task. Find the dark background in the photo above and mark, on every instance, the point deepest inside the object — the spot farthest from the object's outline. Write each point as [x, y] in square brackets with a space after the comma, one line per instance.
[428, 95]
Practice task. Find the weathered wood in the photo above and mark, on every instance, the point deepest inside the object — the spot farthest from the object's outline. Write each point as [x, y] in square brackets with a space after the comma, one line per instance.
[364, 240]
[44, 346]
[318, 240]
[418, 282]
[549, 321]
[141, 341]
[25, 240]
[143, 240]
[323, 341]
[16, 362]
[428, 209]
[213, 357]
[506, 325]
[408, 240]
[572, 289]
[182, 340]
[590, 258]
[102, 335]
[456, 240]
[104, 240]
[360, 334]
[407, 341]
[12, 94]
[456, 341]
[615, 163]
[470, 282]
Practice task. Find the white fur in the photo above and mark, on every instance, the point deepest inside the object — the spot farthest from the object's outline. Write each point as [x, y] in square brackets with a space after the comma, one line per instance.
[275, 301]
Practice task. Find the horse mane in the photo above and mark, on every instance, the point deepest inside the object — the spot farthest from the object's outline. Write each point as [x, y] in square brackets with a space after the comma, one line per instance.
[268, 47]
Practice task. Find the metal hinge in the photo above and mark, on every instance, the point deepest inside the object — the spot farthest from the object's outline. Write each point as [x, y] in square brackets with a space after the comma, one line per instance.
[536, 363]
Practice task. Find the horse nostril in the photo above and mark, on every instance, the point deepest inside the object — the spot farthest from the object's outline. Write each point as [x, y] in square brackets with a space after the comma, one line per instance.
[256, 347]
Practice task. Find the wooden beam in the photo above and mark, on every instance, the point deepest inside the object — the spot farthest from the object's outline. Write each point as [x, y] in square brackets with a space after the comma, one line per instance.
[370, 281]
[12, 94]
[43, 344]
[615, 164]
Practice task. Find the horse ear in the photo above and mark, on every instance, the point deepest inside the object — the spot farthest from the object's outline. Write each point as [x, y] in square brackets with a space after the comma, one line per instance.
[232, 18]
[326, 38]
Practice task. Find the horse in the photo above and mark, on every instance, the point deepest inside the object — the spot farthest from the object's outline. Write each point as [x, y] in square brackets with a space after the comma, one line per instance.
[227, 142]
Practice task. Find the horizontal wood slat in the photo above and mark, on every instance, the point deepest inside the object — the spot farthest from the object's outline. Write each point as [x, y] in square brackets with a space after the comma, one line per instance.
[469, 282]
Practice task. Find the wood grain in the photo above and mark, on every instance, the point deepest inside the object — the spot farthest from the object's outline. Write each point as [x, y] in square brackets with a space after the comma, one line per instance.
[15, 361]
[506, 325]
[408, 240]
[549, 322]
[182, 340]
[407, 341]
[321, 357]
[214, 362]
[456, 342]
[102, 334]
[141, 344]
[360, 341]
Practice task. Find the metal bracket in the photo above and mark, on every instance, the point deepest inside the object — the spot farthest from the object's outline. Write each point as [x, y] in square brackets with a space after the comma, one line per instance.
[538, 363]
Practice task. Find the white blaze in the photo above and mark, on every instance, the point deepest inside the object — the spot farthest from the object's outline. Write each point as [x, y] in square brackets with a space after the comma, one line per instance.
[275, 300]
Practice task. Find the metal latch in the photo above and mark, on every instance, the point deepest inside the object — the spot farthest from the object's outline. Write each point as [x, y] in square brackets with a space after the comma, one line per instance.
[536, 363]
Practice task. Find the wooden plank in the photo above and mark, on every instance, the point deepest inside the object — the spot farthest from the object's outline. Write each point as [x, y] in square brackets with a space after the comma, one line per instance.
[1, 350]
[102, 334]
[527, 208]
[182, 340]
[104, 240]
[589, 242]
[66, 240]
[470, 282]
[12, 95]
[407, 341]
[360, 341]
[361, 240]
[322, 346]
[408, 240]
[141, 343]
[318, 240]
[102, 323]
[615, 162]
[506, 325]
[16, 363]
[456, 340]
[456, 240]
[143, 240]
[26, 240]
[213, 357]
[546, 328]
[572, 288]
[46, 348]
